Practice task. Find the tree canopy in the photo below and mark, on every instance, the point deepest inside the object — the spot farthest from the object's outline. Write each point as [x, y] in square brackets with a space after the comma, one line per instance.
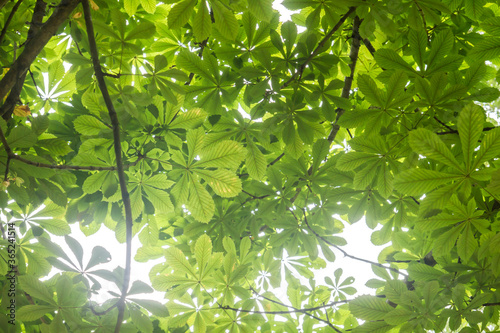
[221, 138]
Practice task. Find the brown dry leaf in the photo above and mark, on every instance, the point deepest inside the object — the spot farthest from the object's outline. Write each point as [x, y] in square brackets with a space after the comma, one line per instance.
[22, 111]
[93, 5]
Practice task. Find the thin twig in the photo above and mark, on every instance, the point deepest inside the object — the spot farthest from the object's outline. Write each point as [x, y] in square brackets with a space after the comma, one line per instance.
[318, 48]
[119, 164]
[343, 251]
[348, 80]
[14, 156]
[11, 15]
[346, 90]
[34, 82]
[369, 46]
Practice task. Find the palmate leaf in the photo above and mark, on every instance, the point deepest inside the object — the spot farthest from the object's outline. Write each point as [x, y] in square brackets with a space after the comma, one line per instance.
[427, 143]
[470, 126]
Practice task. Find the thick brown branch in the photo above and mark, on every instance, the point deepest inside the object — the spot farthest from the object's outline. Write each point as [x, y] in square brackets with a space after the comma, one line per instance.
[369, 46]
[37, 39]
[2, 3]
[119, 164]
[318, 48]
[35, 45]
[11, 15]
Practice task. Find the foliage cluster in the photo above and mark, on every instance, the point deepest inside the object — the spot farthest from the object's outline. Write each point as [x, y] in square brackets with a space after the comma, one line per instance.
[221, 138]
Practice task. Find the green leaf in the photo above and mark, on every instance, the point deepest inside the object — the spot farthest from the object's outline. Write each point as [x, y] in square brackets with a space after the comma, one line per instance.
[94, 182]
[369, 308]
[76, 248]
[55, 226]
[427, 143]
[99, 256]
[467, 243]
[418, 45]
[35, 288]
[424, 272]
[21, 137]
[149, 6]
[224, 154]
[224, 182]
[398, 316]
[255, 161]
[225, 22]
[203, 251]
[440, 47]
[490, 147]
[200, 203]
[261, 9]
[488, 48]
[369, 88]
[192, 63]
[177, 260]
[389, 59]
[33, 312]
[491, 25]
[421, 181]
[470, 126]
[180, 13]
[131, 6]
[143, 31]
[202, 25]
[159, 198]
[88, 125]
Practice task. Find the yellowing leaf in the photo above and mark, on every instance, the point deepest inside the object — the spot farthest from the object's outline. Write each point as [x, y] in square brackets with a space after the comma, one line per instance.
[224, 182]
[200, 203]
[149, 6]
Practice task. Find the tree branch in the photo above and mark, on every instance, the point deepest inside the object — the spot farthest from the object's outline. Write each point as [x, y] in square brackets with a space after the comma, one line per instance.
[344, 252]
[34, 46]
[318, 48]
[11, 15]
[14, 156]
[369, 46]
[13, 98]
[348, 80]
[2, 3]
[119, 164]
